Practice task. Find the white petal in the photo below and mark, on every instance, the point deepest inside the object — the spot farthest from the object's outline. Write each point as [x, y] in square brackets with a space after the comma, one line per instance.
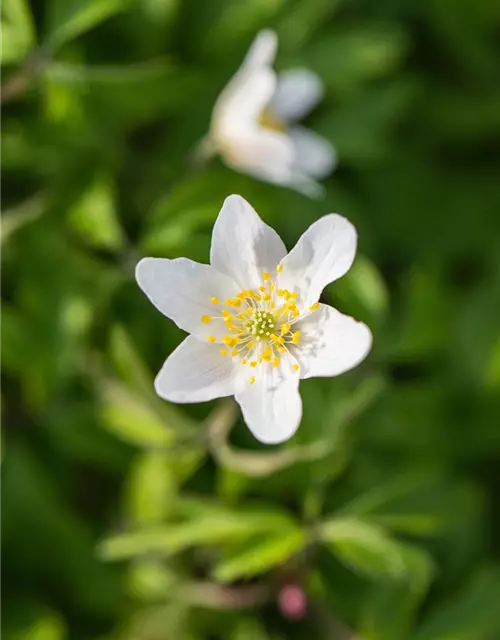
[249, 91]
[324, 253]
[262, 51]
[181, 289]
[240, 104]
[298, 91]
[331, 343]
[243, 246]
[271, 157]
[314, 155]
[197, 372]
[272, 412]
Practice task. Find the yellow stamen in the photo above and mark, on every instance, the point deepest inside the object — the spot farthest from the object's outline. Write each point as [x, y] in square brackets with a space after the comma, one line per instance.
[215, 300]
[206, 319]
[314, 306]
[234, 352]
[251, 380]
[266, 276]
[244, 361]
[224, 352]
[285, 328]
[279, 268]
[253, 363]
[212, 338]
[276, 362]
[262, 288]
[296, 337]
[295, 367]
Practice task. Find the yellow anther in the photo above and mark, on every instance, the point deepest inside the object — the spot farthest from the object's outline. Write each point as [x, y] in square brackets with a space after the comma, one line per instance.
[296, 337]
[276, 362]
[279, 268]
[272, 287]
[273, 305]
[229, 340]
[257, 296]
[206, 319]
[215, 300]
[266, 276]
[251, 380]
[244, 361]
[234, 352]
[212, 339]
[241, 295]
[295, 367]
[281, 349]
[228, 302]
[281, 293]
[314, 306]
[253, 363]
[226, 313]
[262, 288]
[224, 352]
[285, 328]
[267, 296]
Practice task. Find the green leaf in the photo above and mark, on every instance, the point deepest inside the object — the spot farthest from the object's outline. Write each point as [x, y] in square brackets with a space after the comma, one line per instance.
[150, 488]
[370, 551]
[259, 556]
[410, 503]
[211, 527]
[94, 216]
[363, 291]
[131, 418]
[127, 361]
[150, 580]
[471, 615]
[71, 18]
[18, 31]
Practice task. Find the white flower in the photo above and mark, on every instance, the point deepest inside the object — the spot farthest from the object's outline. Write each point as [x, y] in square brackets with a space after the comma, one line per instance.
[251, 118]
[255, 321]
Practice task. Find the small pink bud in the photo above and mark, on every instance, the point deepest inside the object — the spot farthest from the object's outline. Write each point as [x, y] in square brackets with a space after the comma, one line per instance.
[292, 602]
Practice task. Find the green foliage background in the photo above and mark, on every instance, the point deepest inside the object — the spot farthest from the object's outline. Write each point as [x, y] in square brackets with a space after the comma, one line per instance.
[125, 517]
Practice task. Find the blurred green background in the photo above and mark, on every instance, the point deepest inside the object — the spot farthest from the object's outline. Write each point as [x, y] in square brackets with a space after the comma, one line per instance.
[126, 517]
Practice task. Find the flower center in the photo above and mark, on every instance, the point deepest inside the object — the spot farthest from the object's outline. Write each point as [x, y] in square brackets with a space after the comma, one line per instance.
[268, 121]
[262, 324]
[259, 324]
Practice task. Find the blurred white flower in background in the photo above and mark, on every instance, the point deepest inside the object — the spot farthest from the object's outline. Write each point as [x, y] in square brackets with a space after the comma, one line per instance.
[253, 123]
[256, 324]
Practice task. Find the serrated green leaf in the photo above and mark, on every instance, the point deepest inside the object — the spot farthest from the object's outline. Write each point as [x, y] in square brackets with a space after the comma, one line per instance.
[71, 18]
[18, 32]
[259, 556]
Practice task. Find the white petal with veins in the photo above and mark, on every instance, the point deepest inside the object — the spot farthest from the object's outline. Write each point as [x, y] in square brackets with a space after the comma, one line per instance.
[324, 253]
[181, 289]
[331, 344]
[196, 372]
[242, 245]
